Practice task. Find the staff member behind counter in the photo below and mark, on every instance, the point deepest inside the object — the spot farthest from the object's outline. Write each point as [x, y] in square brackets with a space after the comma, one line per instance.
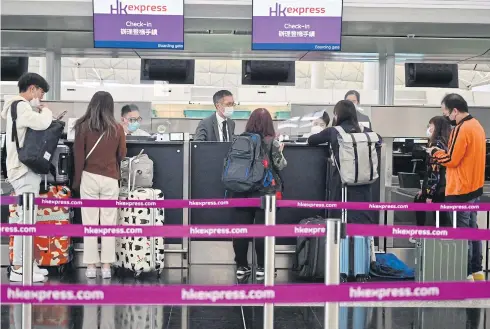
[345, 116]
[355, 97]
[131, 121]
[218, 127]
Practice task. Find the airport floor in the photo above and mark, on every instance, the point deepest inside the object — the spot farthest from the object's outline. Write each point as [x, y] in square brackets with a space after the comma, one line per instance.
[429, 315]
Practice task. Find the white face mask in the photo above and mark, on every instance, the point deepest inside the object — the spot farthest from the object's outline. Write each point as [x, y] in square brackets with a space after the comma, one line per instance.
[228, 112]
[35, 102]
[429, 133]
[316, 129]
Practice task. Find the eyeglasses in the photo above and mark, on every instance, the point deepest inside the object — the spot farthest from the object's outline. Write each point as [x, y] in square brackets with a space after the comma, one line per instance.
[133, 120]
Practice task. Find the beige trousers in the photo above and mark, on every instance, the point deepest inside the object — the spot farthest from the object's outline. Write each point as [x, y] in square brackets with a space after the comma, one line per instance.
[99, 187]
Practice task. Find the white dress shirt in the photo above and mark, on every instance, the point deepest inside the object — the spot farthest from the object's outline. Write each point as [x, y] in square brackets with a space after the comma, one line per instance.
[220, 127]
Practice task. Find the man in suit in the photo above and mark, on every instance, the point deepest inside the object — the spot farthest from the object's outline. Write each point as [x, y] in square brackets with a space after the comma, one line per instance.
[218, 127]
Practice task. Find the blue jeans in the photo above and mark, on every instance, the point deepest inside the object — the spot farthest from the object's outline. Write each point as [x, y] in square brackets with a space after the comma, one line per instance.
[475, 256]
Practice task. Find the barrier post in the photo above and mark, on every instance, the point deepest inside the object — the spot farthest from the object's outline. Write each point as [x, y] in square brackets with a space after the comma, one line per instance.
[332, 269]
[28, 210]
[269, 259]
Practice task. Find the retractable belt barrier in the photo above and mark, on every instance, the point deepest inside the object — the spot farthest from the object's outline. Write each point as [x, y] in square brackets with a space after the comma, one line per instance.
[268, 294]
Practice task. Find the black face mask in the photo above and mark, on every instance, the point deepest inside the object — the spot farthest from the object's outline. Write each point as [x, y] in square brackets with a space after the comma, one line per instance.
[451, 122]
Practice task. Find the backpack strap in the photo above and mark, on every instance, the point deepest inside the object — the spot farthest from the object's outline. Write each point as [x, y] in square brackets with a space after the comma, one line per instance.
[371, 165]
[13, 114]
[349, 138]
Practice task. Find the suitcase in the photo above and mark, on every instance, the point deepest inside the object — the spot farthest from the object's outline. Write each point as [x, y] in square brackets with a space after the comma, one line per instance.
[441, 259]
[140, 317]
[48, 250]
[355, 253]
[141, 254]
[62, 162]
[309, 262]
[352, 317]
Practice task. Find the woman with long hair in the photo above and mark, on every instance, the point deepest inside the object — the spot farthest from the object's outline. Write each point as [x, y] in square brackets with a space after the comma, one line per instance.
[99, 147]
[434, 184]
[260, 123]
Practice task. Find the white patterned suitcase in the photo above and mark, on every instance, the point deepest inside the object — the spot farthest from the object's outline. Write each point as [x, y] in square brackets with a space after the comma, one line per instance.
[140, 317]
[140, 254]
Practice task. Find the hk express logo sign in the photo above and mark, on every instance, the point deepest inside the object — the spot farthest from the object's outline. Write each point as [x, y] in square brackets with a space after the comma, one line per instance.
[280, 10]
[122, 9]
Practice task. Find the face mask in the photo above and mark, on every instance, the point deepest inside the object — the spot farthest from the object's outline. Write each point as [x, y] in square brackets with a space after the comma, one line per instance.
[35, 102]
[228, 112]
[133, 126]
[316, 129]
[452, 122]
[428, 132]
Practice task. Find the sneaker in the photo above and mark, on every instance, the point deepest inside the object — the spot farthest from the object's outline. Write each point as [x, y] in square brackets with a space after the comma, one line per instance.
[106, 273]
[16, 276]
[260, 272]
[243, 270]
[470, 278]
[36, 269]
[91, 272]
[478, 276]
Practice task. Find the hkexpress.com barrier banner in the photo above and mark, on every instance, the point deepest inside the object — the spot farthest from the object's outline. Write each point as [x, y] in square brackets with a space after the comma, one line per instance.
[141, 24]
[307, 25]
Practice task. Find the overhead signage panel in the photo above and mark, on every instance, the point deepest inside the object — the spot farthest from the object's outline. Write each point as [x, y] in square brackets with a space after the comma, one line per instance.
[139, 24]
[302, 25]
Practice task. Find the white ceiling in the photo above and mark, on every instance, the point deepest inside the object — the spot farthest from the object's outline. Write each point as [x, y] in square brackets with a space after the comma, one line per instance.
[338, 75]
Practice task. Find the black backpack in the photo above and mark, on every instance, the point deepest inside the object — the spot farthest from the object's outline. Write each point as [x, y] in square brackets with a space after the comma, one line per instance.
[247, 166]
[39, 145]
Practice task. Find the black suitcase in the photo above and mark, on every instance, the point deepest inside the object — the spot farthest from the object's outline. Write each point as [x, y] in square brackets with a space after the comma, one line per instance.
[309, 261]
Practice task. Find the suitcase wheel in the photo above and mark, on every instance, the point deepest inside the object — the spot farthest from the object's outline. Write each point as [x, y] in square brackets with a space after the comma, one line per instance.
[362, 278]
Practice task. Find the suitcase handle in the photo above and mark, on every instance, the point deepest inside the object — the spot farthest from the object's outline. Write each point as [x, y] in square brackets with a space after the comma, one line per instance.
[63, 163]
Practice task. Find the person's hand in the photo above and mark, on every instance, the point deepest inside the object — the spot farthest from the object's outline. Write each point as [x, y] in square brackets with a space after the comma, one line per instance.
[281, 147]
[429, 150]
[419, 193]
[428, 201]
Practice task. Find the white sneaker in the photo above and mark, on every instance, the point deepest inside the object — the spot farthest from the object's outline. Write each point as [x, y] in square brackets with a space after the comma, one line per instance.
[91, 272]
[470, 278]
[16, 276]
[106, 273]
[36, 269]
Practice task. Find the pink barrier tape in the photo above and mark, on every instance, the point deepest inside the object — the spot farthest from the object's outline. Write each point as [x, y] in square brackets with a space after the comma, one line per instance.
[243, 231]
[168, 204]
[377, 206]
[242, 294]
[255, 202]
[424, 232]
[5, 200]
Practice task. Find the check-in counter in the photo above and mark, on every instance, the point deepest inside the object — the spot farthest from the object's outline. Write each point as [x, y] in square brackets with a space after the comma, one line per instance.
[185, 169]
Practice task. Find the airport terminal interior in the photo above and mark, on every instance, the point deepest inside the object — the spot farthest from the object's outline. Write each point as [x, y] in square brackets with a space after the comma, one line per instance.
[400, 57]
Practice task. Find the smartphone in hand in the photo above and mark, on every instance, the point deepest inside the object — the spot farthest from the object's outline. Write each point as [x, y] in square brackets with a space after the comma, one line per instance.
[60, 116]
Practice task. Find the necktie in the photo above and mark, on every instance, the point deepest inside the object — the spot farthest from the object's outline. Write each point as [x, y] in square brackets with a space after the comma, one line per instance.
[225, 132]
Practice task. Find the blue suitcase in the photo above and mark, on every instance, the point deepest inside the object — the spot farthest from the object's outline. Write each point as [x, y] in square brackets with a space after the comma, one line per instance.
[356, 320]
[355, 253]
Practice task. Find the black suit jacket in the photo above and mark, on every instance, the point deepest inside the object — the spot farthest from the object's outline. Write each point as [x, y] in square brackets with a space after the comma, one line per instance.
[208, 130]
